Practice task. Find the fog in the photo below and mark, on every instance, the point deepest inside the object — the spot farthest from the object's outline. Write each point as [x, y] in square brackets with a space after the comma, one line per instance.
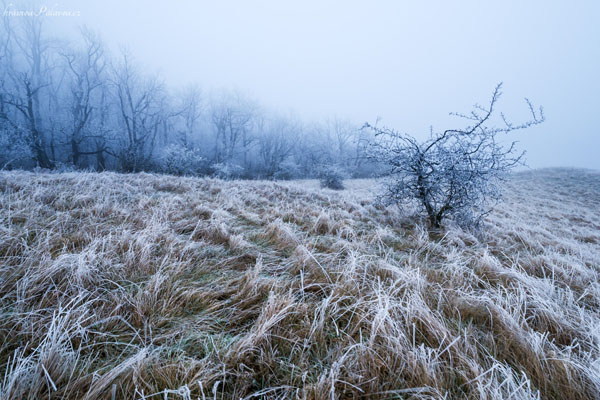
[407, 64]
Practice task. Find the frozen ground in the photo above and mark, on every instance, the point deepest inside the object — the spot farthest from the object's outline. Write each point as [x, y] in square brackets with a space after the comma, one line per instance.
[144, 286]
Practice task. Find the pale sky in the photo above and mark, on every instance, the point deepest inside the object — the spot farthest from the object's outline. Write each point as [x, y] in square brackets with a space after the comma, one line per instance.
[408, 62]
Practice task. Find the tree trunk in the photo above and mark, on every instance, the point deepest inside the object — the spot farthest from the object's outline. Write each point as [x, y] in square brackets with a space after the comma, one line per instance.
[75, 152]
[42, 157]
[100, 163]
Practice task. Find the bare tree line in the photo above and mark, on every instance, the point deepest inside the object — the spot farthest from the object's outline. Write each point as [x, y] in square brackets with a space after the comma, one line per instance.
[75, 106]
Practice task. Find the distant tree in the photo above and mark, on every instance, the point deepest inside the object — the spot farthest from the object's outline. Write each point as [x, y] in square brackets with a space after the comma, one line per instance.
[190, 112]
[25, 61]
[143, 110]
[341, 134]
[312, 150]
[275, 144]
[85, 70]
[232, 118]
[453, 173]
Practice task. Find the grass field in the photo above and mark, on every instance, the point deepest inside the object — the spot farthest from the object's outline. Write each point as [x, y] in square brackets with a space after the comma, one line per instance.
[160, 287]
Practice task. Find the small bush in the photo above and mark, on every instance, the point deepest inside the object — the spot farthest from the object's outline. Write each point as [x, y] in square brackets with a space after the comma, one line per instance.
[288, 170]
[331, 178]
[182, 160]
[14, 151]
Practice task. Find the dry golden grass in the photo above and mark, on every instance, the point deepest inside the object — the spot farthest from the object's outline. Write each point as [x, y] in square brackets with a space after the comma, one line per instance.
[157, 287]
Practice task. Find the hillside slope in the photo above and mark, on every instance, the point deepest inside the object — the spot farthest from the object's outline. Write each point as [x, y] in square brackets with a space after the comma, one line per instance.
[143, 286]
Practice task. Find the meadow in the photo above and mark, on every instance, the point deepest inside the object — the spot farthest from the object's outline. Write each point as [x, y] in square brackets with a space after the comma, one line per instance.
[142, 286]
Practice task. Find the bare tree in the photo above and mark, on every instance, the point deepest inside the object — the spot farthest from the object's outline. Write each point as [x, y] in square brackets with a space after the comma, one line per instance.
[341, 133]
[86, 72]
[232, 118]
[103, 128]
[453, 173]
[360, 156]
[312, 150]
[14, 149]
[275, 143]
[191, 110]
[142, 108]
[25, 78]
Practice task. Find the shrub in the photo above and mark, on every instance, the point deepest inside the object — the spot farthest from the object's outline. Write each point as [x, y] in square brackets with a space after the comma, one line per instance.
[14, 151]
[182, 160]
[331, 177]
[453, 173]
[288, 170]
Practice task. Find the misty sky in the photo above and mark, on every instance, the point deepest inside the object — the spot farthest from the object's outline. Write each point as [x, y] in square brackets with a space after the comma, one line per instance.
[408, 62]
